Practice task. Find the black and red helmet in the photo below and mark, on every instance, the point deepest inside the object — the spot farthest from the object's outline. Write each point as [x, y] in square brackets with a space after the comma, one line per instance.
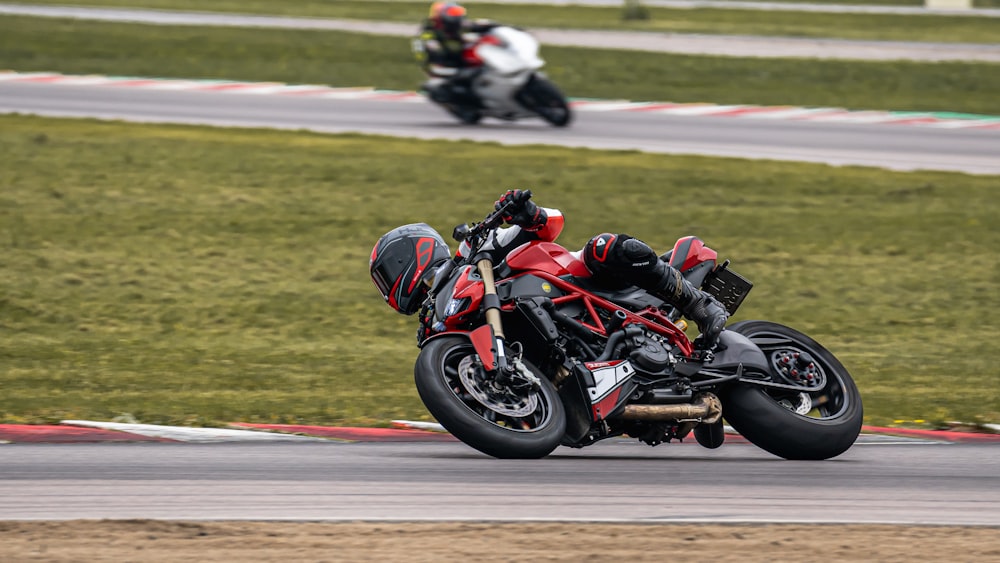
[448, 17]
[403, 260]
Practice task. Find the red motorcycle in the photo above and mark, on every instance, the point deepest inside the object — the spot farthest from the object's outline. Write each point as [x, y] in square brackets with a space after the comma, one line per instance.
[519, 357]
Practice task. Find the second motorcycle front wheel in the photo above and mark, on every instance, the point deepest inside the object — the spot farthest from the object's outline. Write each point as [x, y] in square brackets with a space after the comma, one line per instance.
[547, 101]
[504, 421]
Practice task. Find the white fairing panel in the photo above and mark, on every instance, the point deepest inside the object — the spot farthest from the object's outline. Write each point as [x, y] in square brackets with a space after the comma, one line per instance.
[609, 377]
[517, 52]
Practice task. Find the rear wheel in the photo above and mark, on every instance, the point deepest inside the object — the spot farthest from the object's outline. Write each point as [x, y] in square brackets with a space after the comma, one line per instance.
[498, 420]
[445, 96]
[467, 115]
[544, 98]
[820, 422]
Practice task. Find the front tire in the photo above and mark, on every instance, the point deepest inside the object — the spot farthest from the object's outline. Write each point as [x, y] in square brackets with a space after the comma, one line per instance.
[545, 99]
[819, 424]
[501, 423]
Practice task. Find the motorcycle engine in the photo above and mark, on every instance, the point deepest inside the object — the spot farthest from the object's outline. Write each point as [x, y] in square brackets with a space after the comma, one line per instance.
[648, 354]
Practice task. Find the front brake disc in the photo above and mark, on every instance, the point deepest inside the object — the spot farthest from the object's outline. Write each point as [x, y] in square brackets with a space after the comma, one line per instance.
[503, 400]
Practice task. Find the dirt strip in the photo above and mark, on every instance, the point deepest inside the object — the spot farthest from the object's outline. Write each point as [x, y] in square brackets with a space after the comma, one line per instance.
[152, 541]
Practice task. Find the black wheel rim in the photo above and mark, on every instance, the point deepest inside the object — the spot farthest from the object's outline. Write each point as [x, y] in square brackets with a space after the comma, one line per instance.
[526, 411]
[826, 396]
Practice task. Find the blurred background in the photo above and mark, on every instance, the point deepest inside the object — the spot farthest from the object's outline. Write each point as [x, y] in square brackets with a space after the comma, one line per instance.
[180, 274]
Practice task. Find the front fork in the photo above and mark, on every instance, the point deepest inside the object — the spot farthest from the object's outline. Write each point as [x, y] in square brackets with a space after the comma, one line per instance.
[507, 367]
[491, 301]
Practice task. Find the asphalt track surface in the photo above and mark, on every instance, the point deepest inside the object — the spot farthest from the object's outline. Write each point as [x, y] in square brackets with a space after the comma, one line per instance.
[881, 145]
[908, 482]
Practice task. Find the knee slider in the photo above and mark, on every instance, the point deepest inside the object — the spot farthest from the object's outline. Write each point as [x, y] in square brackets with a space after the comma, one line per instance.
[597, 253]
[619, 254]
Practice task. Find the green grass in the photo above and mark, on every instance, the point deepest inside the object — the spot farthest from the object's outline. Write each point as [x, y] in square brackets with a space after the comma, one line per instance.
[706, 20]
[192, 275]
[346, 59]
[910, 3]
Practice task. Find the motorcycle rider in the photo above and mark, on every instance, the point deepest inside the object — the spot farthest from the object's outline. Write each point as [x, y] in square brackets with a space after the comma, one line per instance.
[441, 48]
[404, 261]
[616, 259]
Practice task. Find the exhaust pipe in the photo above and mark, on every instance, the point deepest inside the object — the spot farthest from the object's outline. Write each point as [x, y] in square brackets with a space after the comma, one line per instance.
[705, 407]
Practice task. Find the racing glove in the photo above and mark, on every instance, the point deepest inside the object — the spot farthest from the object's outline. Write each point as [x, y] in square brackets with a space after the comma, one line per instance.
[522, 211]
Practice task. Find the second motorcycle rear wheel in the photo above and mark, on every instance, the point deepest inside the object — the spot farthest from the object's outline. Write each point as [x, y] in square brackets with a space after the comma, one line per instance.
[465, 114]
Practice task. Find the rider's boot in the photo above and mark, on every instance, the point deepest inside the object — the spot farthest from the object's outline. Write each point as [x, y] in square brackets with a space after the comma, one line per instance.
[695, 304]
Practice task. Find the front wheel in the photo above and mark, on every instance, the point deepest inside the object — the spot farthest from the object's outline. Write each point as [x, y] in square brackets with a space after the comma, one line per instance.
[544, 98]
[497, 420]
[819, 423]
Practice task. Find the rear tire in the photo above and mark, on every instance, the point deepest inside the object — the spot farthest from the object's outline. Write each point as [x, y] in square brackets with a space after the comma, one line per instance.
[467, 413]
[466, 115]
[829, 418]
[445, 97]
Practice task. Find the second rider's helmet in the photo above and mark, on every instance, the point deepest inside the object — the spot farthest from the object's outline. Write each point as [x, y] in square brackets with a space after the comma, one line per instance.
[403, 262]
[448, 18]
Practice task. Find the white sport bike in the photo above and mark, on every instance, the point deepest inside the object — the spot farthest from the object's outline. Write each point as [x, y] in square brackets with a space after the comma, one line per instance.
[509, 85]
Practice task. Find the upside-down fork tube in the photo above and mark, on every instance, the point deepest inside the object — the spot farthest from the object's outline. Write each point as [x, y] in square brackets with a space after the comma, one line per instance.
[491, 302]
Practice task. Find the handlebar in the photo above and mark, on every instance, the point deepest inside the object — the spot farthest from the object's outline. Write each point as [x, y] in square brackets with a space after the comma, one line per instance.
[492, 221]
[473, 234]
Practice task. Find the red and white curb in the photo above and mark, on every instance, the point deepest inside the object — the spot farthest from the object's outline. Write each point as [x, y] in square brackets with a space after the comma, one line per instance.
[187, 434]
[941, 120]
[82, 431]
